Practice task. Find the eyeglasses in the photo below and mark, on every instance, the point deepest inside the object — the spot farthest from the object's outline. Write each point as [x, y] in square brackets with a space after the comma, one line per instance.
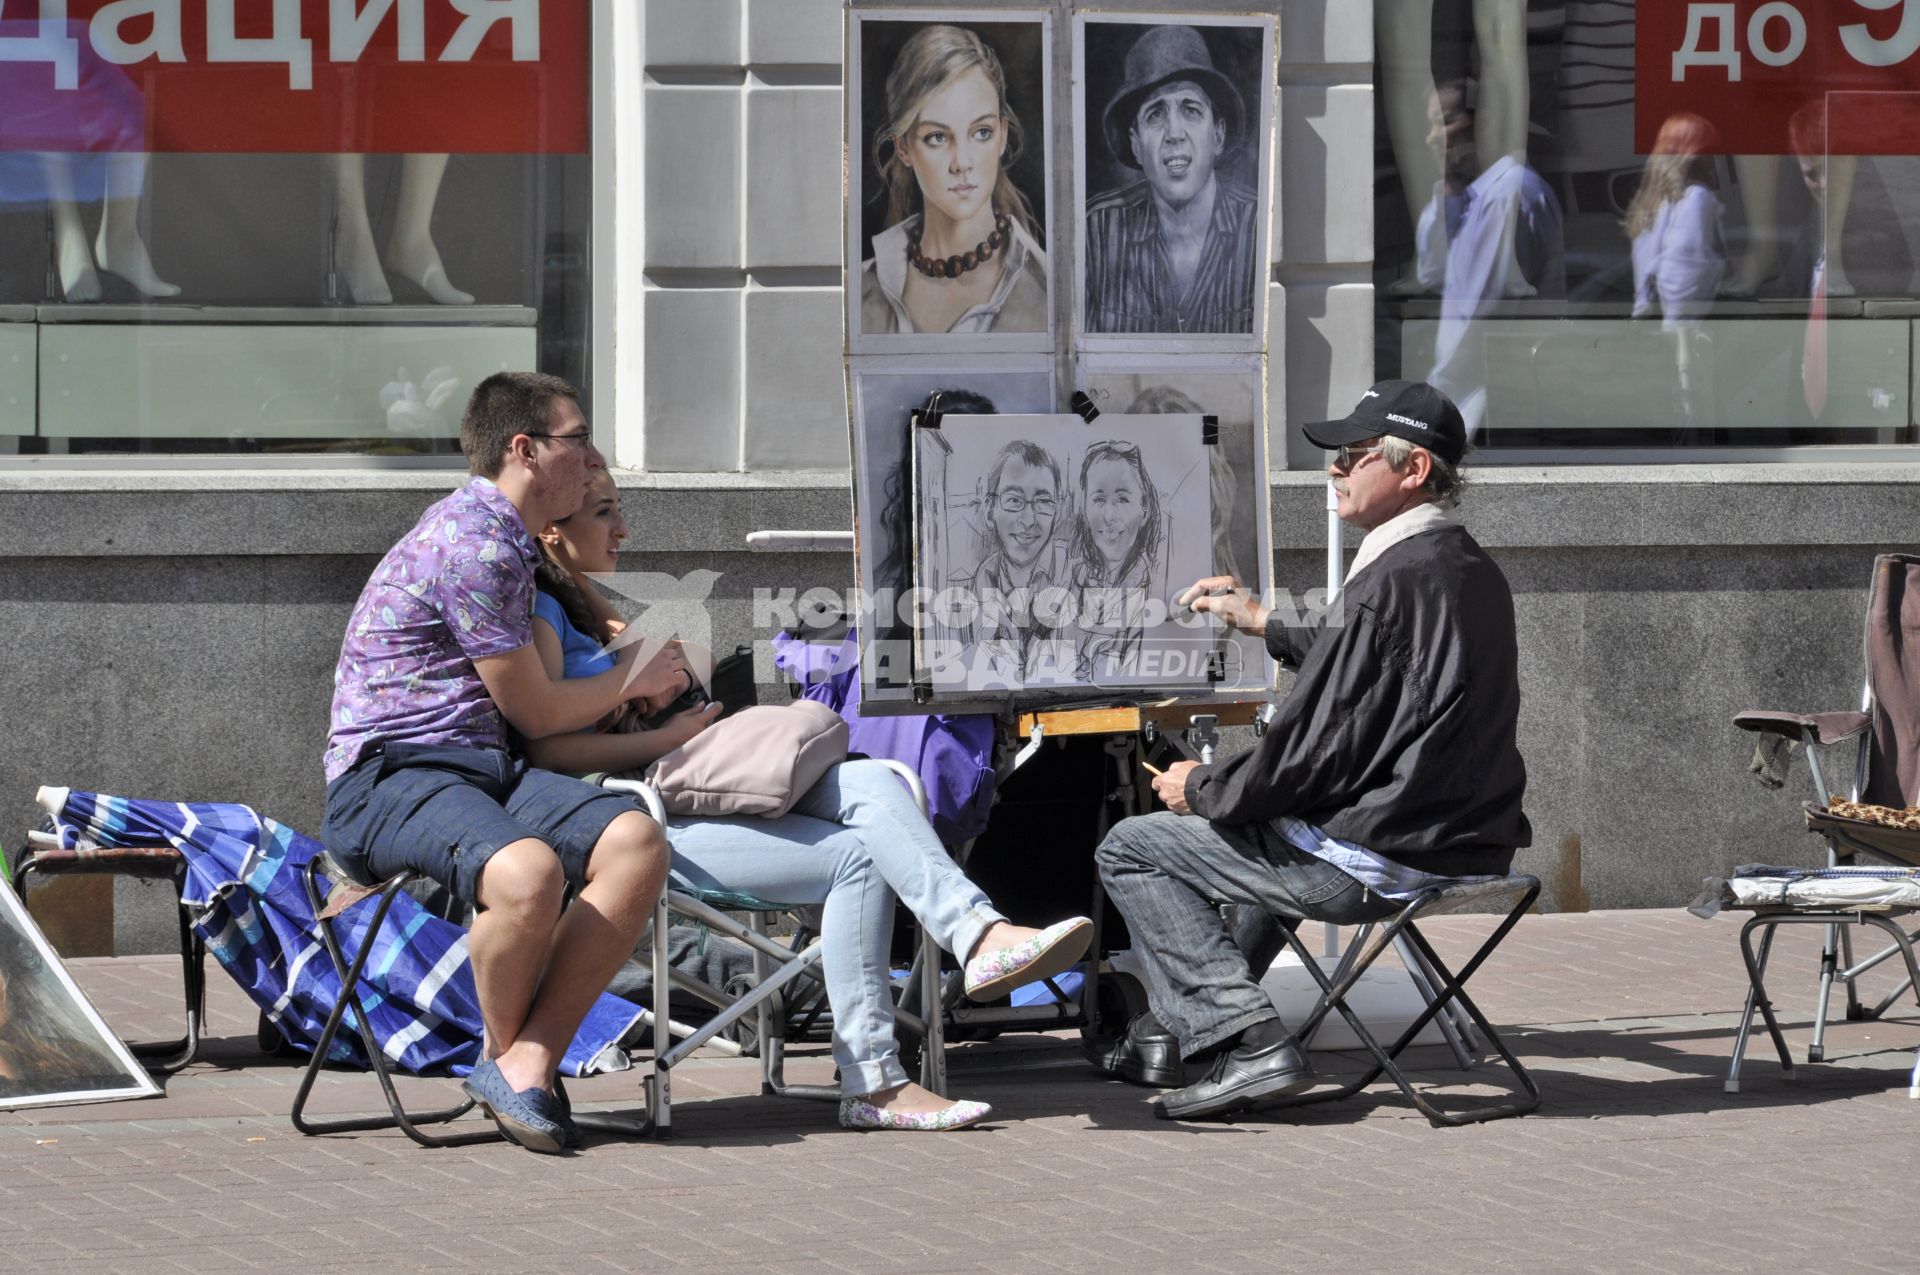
[584, 439]
[1013, 503]
[1345, 457]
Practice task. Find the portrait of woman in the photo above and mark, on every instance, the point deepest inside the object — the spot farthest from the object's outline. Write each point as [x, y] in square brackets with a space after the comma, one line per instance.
[957, 245]
[1117, 564]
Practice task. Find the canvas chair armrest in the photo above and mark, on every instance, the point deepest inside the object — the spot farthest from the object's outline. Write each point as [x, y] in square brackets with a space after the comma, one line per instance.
[1827, 728]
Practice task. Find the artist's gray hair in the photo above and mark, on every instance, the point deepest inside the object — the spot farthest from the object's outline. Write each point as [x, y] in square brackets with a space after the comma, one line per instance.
[1444, 480]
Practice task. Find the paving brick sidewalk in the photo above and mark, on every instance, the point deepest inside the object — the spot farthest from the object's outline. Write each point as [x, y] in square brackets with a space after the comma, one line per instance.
[1637, 1161]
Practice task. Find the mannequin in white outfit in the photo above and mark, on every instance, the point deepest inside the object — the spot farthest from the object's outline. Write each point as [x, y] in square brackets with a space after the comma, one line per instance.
[117, 247]
[410, 249]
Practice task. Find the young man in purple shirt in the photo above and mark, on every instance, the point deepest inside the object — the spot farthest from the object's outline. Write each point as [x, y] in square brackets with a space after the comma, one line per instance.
[437, 665]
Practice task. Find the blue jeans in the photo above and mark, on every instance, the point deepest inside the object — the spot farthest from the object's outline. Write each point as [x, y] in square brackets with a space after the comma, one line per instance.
[851, 845]
[1168, 874]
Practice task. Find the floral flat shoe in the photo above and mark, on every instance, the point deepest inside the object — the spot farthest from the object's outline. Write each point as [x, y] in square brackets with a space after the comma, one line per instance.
[858, 1113]
[1052, 951]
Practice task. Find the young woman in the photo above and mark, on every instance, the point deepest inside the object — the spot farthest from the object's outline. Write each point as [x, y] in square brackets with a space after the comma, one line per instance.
[959, 253]
[1679, 255]
[852, 844]
[1116, 554]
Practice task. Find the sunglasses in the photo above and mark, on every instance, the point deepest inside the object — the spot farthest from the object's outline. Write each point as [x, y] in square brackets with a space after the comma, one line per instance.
[1345, 457]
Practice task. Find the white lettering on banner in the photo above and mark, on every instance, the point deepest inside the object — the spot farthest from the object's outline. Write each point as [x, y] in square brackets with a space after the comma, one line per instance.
[1692, 52]
[351, 24]
[163, 43]
[481, 15]
[286, 44]
[1896, 48]
[52, 43]
[1757, 26]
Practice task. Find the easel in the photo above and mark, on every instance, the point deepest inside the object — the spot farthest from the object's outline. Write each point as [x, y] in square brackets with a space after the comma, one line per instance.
[1129, 730]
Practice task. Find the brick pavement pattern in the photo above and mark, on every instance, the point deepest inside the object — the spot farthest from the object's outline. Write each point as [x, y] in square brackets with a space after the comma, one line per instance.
[1636, 1162]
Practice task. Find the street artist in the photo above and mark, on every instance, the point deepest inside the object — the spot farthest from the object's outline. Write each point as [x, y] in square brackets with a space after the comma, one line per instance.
[1392, 763]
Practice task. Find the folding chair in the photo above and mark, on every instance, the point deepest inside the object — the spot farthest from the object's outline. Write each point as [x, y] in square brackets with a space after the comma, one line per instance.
[1516, 894]
[776, 966]
[46, 857]
[1886, 772]
[328, 905]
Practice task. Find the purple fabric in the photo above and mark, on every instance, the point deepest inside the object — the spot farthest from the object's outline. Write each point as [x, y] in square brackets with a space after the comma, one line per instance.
[457, 588]
[953, 755]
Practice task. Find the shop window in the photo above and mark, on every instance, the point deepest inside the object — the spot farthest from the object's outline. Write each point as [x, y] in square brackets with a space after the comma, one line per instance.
[291, 228]
[1604, 225]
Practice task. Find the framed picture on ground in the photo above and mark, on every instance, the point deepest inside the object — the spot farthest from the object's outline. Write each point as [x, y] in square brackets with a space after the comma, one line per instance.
[54, 1047]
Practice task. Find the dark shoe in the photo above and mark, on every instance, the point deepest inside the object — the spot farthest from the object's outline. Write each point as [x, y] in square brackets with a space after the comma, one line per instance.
[1146, 1053]
[521, 1115]
[558, 1108]
[1240, 1078]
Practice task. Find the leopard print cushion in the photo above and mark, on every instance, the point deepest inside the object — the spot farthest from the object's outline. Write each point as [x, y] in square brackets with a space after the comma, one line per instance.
[1892, 817]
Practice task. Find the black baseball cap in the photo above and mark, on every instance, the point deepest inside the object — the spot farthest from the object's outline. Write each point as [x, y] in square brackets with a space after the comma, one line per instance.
[1412, 410]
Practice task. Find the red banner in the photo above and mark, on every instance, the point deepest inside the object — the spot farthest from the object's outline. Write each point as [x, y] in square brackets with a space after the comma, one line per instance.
[346, 76]
[1780, 77]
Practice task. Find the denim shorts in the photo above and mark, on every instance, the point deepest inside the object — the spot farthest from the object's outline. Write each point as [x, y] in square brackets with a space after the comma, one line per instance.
[443, 811]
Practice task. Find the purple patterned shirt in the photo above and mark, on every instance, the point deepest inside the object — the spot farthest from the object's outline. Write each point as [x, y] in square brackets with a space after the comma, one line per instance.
[457, 588]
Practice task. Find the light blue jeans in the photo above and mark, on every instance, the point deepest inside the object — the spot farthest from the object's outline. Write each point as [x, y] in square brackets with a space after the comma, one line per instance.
[851, 845]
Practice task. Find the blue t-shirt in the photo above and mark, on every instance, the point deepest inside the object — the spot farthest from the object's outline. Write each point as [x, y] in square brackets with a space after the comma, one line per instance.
[580, 654]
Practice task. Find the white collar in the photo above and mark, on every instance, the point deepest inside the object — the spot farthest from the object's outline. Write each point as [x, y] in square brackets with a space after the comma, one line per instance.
[890, 268]
[1402, 526]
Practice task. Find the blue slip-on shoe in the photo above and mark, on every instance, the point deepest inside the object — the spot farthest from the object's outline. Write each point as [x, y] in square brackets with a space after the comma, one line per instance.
[520, 1114]
[556, 1107]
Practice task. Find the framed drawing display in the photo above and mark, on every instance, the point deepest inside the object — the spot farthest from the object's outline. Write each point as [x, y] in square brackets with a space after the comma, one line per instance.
[949, 166]
[884, 397]
[1173, 154]
[1049, 549]
[54, 1047]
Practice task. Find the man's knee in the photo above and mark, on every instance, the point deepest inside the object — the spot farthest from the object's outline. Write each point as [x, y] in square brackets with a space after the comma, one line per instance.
[632, 852]
[523, 879]
[1130, 842]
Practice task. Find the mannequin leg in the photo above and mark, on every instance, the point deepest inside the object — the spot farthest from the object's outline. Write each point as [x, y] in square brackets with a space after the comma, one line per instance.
[1403, 31]
[1500, 31]
[73, 255]
[1840, 171]
[118, 247]
[410, 250]
[358, 263]
[1759, 177]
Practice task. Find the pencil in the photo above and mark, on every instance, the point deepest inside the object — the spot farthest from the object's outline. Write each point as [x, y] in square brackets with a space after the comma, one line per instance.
[1152, 769]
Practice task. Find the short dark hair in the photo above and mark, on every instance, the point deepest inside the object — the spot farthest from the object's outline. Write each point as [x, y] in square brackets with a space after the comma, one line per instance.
[505, 404]
[1032, 455]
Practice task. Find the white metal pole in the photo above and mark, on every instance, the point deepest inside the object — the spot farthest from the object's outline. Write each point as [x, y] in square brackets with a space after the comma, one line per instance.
[1336, 578]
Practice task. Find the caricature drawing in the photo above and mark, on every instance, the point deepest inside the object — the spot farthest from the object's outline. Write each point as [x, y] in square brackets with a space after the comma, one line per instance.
[1117, 563]
[1021, 557]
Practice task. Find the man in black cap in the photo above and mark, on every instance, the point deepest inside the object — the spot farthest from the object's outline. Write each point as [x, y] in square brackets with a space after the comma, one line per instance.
[1174, 250]
[1391, 762]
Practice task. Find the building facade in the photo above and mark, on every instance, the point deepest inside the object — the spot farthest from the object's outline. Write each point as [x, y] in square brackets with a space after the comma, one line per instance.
[199, 483]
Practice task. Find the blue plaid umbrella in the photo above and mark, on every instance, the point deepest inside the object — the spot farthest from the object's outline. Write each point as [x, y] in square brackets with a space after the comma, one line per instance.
[244, 891]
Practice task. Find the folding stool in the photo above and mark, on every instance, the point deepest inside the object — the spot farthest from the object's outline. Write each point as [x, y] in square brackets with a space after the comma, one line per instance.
[45, 857]
[1516, 894]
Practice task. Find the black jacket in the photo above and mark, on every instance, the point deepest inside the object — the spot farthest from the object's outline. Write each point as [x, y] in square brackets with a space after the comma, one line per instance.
[1398, 734]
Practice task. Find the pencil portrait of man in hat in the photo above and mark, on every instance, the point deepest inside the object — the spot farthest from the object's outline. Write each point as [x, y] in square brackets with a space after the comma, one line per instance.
[1172, 248]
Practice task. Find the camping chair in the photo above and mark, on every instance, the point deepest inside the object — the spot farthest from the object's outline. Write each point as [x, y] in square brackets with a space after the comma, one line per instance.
[329, 903]
[45, 856]
[1886, 774]
[1514, 895]
[775, 968]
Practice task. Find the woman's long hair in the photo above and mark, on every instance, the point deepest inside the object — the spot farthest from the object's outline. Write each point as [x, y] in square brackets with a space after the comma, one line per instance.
[1146, 542]
[552, 578]
[1679, 160]
[934, 55]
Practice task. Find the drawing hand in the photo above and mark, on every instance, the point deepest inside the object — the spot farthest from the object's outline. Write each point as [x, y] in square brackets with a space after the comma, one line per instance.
[1227, 598]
